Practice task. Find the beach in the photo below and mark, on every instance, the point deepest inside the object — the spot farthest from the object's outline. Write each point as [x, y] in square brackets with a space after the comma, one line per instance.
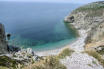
[77, 46]
[78, 60]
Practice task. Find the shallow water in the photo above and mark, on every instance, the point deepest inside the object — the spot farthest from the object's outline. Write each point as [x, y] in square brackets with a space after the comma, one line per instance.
[37, 25]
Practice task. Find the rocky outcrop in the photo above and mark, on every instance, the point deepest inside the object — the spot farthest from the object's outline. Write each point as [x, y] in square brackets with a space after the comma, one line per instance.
[96, 34]
[12, 56]
[90, 18]
[3, 43]
[4, 47]
[26, 55]
[21, 58]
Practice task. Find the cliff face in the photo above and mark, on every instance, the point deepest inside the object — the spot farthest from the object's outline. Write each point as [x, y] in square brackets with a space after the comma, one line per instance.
[89, 17]
[3, 43]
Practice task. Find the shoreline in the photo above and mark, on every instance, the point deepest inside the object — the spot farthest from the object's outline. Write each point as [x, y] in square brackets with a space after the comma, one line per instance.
[77, 45]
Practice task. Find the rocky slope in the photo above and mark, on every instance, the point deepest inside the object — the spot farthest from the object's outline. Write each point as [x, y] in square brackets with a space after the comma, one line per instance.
[89, 21]
[89, 18]
[11, 56]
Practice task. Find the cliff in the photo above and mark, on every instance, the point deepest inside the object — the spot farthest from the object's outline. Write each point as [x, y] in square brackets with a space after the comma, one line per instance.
[3, 43]
[89, 17]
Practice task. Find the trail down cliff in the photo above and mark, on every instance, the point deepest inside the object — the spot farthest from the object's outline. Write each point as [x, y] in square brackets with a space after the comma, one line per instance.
[90, 19]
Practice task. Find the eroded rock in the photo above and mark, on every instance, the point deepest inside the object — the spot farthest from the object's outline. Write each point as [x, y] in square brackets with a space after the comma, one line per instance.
[3, 43]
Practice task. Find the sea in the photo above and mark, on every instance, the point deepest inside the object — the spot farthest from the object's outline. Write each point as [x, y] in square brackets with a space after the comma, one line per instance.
[37, 25]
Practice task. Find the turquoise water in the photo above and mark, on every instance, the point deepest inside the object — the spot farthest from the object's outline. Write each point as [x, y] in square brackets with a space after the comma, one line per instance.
[39, 26]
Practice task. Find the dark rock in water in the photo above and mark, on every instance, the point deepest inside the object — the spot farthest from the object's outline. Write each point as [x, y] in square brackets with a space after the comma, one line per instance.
[3, 43]
[8, 36]
[13, 48]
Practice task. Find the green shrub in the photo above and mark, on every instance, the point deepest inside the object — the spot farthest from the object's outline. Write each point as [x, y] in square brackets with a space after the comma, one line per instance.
[65, 52]
[7, 62]
[96, 56]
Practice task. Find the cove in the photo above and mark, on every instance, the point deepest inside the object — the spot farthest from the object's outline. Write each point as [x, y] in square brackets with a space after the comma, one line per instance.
[38, 26]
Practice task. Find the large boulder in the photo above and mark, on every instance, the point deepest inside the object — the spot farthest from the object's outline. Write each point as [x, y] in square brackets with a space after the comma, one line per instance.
[3, 43]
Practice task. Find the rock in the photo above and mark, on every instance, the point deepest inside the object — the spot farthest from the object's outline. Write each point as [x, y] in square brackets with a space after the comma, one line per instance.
[13, 49]
[4, 47]
[25, 54]
[12, 53]
[96, 34]
[69, 19]
[29, 51]
[3, 43]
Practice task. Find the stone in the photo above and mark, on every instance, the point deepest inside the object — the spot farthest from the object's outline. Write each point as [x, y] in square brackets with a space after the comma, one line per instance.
[26, 54]
[13, 49]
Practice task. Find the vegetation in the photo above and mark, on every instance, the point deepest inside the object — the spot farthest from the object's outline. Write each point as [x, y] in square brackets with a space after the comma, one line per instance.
[65, 52]
[94, 9]
[1, 67]
[94, 62]
[8, 62]
[51, 62]
[102, 50]
[91, 6]
[48, 62]
[90, 65]
[96, 55]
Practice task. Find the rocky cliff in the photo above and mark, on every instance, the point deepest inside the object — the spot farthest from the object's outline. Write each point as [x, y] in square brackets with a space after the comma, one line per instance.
[3, 43]
[89, 17]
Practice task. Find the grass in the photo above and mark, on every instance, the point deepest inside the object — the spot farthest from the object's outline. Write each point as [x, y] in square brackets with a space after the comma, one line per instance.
[96, 55]
[101, 52]
[65, 52]
[51, 62]
[48, 62]
[7, 62]
[1, 67]
[89, 65]
[94, 62]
